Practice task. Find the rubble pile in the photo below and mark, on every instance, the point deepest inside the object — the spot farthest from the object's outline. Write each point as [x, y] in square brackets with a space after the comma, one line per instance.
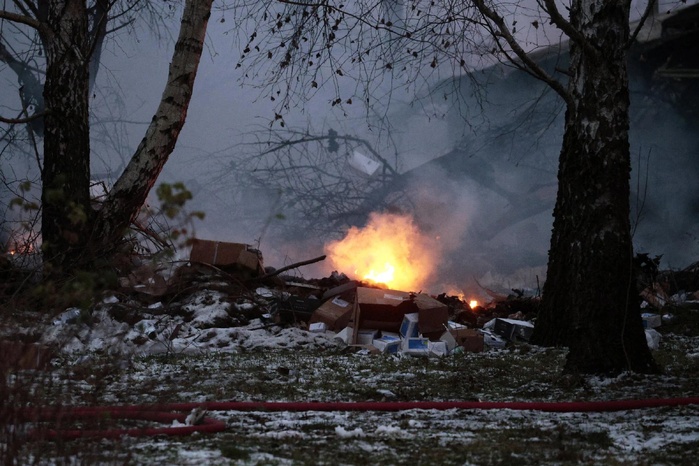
[224, 291]
[224, 298]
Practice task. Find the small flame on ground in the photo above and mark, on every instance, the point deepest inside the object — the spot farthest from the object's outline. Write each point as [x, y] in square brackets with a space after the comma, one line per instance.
[390, 250]
[454, 291]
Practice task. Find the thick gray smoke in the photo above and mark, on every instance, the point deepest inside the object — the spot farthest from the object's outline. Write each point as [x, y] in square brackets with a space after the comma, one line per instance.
[479, 173]
[477, 159]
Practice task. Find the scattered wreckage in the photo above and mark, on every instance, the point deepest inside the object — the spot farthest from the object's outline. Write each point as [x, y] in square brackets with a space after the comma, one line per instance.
[358, 314]
[155, 305]
[362, 315]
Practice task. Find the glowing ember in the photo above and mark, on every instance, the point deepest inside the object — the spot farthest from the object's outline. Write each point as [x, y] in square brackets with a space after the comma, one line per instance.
[473, 303]
[389, 250]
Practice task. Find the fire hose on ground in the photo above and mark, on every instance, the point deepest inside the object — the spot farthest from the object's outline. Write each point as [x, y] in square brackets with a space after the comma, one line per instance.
[171, 412]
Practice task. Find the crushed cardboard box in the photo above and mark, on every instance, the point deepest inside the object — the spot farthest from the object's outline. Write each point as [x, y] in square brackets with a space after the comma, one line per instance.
[471, 340]
[227, 255]
[335, 313]
[385, 310]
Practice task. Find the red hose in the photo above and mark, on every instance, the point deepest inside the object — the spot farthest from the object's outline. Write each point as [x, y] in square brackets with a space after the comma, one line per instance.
[164, 412]
[58, 416]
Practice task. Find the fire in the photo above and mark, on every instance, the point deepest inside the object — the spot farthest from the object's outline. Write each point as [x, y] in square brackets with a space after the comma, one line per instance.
[382, 277]
[390, 250]
[453, 291]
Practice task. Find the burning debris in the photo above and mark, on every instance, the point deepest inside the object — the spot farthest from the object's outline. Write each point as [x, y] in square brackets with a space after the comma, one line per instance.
[390, 250]
[224, 298]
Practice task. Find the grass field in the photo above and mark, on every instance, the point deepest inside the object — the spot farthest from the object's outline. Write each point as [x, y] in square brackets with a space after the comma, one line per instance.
[518, 373]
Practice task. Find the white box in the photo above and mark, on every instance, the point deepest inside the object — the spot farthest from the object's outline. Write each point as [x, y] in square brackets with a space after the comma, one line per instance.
[364, 164]
[448, 338]
[438, 348]
[390, 335]
[345, 335]
[416, 346]
[317, 327]
[366, 336]
[388, 346]
[492, 340]
[513, 330]
[408, 328]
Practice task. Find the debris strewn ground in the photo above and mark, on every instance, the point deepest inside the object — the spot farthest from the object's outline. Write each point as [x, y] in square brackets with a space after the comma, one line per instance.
[201, 333]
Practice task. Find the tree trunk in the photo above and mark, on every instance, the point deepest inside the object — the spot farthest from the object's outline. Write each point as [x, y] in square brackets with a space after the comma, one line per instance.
[131, 189]
[66, 169]
[590, 302]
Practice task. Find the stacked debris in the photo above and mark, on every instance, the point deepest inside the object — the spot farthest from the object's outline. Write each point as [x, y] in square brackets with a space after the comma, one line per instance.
[355, 313]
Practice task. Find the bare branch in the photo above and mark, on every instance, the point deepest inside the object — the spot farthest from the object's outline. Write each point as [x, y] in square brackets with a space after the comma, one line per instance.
[646, 14]
[19, 121]
[26, 20]
[27, 8]
[549, 6]
[288, 267]
[308, 138]
[530, 65]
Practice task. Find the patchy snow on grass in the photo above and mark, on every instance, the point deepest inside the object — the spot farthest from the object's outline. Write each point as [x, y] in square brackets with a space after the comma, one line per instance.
[150, 354]
[207, 328]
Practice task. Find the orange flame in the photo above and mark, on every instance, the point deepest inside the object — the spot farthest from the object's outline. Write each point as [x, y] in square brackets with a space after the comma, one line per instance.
[390, 250]
[453, 291]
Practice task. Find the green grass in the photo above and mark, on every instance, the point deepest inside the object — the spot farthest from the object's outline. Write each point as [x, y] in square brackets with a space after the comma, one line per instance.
[519, 373]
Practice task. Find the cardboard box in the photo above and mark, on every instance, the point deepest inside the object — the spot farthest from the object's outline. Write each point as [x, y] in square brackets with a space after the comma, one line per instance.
[344, 289]
[224, 255]
[384, 310]
[513, 330]
[433, 320]
[24, 356]
[651, 320]
[335, 313]
[408, 328]
[470, 339]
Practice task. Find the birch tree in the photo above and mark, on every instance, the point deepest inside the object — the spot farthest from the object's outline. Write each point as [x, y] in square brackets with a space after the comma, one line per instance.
[74, 235]
[590, 303]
